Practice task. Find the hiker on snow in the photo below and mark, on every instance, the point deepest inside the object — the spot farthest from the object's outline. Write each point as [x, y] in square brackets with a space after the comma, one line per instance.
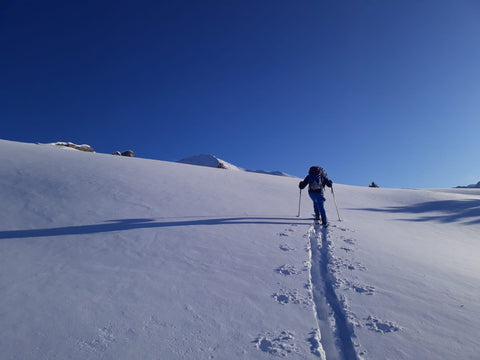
[316, 181]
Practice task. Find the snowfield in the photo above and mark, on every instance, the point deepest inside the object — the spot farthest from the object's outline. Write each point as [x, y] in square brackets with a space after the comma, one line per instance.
[108, 257]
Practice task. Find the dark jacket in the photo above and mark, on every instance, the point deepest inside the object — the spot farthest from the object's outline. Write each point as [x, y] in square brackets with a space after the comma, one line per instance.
[325, 182]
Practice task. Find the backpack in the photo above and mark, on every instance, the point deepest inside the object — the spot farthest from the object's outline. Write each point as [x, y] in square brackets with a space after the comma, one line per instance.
[316, 175]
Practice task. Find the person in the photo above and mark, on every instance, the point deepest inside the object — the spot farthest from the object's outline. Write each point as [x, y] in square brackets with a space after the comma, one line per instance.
[316, 180]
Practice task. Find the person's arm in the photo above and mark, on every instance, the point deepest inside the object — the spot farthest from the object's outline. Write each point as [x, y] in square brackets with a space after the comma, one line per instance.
[327, 182]
[303, 183]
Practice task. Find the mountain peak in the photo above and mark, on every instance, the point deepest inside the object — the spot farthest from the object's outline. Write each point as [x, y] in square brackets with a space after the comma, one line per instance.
[477, 185]
[209, 160]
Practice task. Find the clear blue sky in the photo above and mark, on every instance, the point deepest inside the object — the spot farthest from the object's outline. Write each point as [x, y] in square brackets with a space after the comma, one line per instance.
[384, 91]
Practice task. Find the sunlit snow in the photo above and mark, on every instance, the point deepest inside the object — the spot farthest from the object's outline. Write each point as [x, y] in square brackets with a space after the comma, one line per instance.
[108, 257]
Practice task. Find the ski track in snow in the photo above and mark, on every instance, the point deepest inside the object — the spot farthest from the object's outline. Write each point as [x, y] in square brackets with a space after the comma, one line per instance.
[332, 318]
[332, 339]
[335, 321]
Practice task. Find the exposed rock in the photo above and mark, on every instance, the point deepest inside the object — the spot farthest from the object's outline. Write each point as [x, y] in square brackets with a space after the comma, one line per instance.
[128, 153]
[83, 147]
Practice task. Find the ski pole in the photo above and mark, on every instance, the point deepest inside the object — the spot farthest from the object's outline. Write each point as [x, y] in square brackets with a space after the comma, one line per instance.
[336, 206]
[299, 202]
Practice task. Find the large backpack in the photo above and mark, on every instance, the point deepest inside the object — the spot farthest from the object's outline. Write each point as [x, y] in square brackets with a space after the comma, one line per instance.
[316, 175]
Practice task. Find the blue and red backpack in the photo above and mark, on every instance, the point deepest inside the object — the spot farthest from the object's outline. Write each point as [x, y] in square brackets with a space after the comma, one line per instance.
[316, 178]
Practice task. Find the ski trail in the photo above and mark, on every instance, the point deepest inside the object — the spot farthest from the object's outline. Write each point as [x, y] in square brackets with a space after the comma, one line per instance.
[332, 324]
[320, 306]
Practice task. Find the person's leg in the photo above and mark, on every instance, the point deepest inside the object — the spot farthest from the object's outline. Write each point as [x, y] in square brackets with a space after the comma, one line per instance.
[318, 206]
[321, 209]
[316, 210]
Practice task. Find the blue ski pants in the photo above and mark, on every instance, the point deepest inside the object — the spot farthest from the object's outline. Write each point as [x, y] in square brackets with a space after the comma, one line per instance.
[318, 205]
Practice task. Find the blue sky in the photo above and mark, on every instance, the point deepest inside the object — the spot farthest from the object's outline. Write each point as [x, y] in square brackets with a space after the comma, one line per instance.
[384, 91]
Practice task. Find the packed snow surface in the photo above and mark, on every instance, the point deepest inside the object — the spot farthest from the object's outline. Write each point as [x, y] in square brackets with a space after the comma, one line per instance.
[105, 257]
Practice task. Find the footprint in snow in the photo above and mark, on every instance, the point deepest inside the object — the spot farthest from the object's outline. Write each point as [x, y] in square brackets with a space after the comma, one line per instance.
[361, 289]
[340, 228]
[381, 326]
[287, 270]
[290, 297]
[356, 266]
[285, 232]
[285, 247]
[101, 342]
[338, 264]
[364, 289]
[282, 343]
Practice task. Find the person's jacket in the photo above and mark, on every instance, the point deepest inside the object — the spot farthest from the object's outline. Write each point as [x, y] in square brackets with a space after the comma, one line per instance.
[325, 182]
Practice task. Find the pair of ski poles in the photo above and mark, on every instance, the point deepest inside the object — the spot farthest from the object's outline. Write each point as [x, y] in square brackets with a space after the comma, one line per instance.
[334, 200]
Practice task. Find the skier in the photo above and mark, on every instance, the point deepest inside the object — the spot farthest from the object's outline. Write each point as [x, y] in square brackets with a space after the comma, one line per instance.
[316, 181]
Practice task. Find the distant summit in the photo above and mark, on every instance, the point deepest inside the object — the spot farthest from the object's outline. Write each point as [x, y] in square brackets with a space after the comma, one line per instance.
[477, 185]
[277, 173]
[210, 160]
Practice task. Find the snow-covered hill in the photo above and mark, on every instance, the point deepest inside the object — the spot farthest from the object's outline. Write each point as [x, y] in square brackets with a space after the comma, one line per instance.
[477, 185]
[105, 257]
[210, 161]
[213, 161]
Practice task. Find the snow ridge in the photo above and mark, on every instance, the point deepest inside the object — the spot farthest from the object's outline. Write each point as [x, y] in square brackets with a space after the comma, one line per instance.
[327, 307]
[210, 160]
[477, 185]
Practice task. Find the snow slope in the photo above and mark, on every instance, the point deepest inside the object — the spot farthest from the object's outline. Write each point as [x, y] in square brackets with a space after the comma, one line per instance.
[105, 257]
[477, 185]
[208, 160]
[212, 161]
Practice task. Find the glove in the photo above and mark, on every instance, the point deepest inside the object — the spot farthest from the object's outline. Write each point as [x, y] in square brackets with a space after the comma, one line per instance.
[329, 183]
[300, 185]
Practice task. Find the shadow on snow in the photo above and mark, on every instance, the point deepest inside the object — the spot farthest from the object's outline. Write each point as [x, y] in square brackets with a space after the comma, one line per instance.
[445, 211]
[132, 224]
